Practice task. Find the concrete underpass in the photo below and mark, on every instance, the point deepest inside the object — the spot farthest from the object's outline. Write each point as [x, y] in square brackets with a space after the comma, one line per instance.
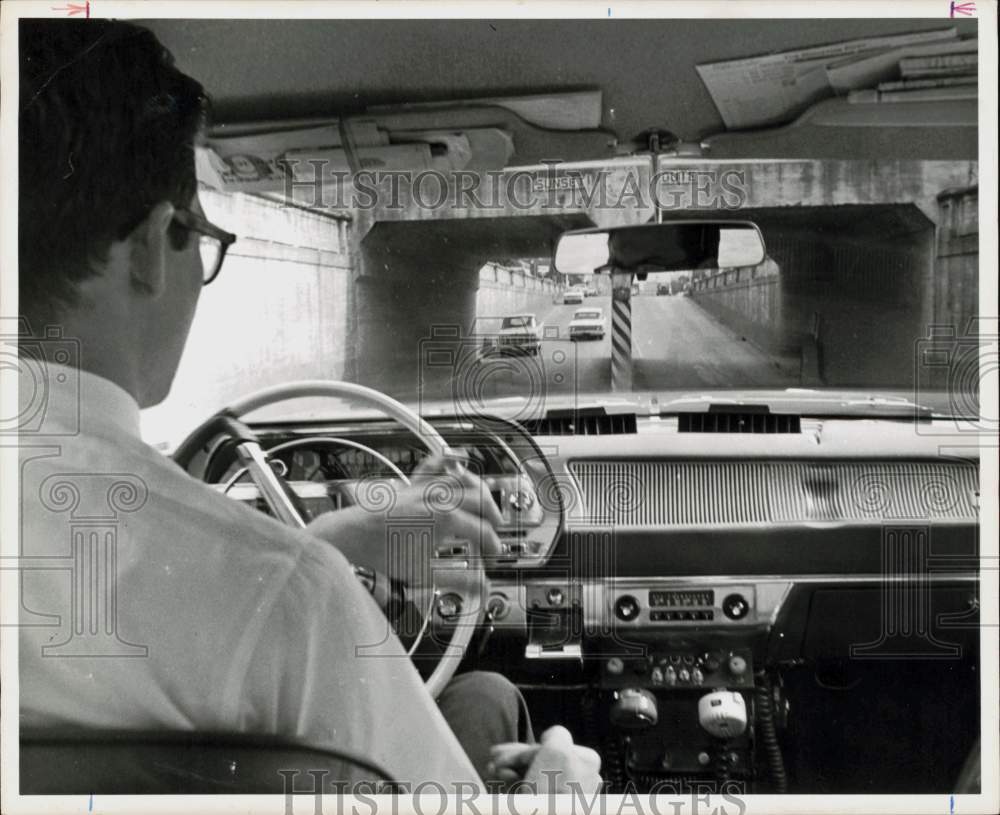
[861, 255]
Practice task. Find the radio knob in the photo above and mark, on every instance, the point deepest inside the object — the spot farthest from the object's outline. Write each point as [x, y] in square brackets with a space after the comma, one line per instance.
[615, 665]
[555, 597]
[626, 607]
[735, 607]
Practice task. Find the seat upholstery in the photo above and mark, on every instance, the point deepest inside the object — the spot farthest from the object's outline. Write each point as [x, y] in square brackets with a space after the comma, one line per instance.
[83, 762]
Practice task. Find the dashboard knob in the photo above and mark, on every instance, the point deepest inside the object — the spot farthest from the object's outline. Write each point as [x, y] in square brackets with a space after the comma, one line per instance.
[626, 607]
[709, 663]
[449, 606]
[634, 708]
[615, 665]
[497, 606]
[735, 607]
[737, 665]
[521, 500]
[555, 597]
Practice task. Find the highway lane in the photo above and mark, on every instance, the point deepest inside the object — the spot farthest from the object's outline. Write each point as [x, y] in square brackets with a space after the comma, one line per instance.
[562, 366]
[676, 345]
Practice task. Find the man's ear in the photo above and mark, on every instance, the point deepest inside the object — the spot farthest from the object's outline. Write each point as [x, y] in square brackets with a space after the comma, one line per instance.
[149, 247]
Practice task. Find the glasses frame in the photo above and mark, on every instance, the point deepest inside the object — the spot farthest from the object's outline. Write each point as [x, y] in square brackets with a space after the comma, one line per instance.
[200, 224]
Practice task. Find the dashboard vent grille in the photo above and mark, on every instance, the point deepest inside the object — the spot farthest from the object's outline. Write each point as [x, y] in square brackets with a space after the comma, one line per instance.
[738, 423]
[582, 424]
[691, 493]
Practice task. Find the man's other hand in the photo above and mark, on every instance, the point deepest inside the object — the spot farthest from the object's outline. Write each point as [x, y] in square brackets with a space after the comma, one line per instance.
[444, 499]
[555, 765]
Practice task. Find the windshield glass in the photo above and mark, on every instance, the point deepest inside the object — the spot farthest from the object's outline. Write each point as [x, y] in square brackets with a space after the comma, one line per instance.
[869, 285]
[875, 299]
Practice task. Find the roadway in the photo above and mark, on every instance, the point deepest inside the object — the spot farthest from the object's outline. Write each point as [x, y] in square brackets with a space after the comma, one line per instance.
[675, 345]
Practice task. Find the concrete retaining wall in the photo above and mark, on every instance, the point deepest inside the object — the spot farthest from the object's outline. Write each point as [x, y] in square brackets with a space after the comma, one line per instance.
[290, 301]
[828, 300]
[750, 302]
[277, 311]
[502, 292]
[956, 282]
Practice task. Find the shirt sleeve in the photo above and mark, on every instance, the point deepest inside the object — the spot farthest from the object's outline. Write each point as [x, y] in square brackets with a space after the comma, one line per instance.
[327, 671]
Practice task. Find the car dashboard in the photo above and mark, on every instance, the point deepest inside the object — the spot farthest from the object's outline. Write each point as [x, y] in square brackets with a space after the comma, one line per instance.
[648, 562]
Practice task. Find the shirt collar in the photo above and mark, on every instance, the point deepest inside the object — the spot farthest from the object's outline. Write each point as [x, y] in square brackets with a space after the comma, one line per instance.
[68, 398]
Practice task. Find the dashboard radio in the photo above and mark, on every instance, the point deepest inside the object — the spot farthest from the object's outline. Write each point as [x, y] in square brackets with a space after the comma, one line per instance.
[687, 606]
[682, 598]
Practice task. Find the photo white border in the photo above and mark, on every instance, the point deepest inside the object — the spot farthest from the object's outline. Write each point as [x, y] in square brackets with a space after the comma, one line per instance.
[11, 10]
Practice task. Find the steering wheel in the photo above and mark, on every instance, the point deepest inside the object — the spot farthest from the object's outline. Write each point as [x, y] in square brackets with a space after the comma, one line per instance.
[462, 577]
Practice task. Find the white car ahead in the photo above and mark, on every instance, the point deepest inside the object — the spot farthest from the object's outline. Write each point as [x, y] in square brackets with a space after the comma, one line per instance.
[587, 323]
[520, 333]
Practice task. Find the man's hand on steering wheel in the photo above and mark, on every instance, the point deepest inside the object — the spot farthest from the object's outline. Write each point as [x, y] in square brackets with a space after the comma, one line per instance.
[444, 498]
[449, 516]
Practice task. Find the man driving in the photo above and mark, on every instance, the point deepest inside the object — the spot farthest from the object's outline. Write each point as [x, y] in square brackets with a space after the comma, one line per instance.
[206, 615]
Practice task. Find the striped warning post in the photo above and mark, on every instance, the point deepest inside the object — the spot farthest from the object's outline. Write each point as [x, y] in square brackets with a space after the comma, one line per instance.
[621, 331]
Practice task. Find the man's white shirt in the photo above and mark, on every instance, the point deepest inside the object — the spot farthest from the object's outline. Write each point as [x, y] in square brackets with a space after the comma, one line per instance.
[152, 602]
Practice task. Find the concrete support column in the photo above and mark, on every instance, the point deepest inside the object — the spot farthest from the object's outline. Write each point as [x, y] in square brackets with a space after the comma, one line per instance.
[394, 316]
[414, 279]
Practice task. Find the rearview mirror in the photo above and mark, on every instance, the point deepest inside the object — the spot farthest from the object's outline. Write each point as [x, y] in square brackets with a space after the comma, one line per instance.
[666, 247]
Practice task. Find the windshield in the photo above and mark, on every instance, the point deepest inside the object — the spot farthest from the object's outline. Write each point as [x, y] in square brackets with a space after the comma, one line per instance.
[875, 299]
[869, 285]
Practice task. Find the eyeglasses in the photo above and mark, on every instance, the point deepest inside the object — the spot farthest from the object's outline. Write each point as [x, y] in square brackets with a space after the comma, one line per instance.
[213, 242]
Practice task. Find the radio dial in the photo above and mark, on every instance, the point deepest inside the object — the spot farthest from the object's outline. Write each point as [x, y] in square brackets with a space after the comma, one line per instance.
[735, 607]
[626, 607]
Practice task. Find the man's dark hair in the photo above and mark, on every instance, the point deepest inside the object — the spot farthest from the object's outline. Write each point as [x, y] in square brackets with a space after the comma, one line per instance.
[107, 128]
